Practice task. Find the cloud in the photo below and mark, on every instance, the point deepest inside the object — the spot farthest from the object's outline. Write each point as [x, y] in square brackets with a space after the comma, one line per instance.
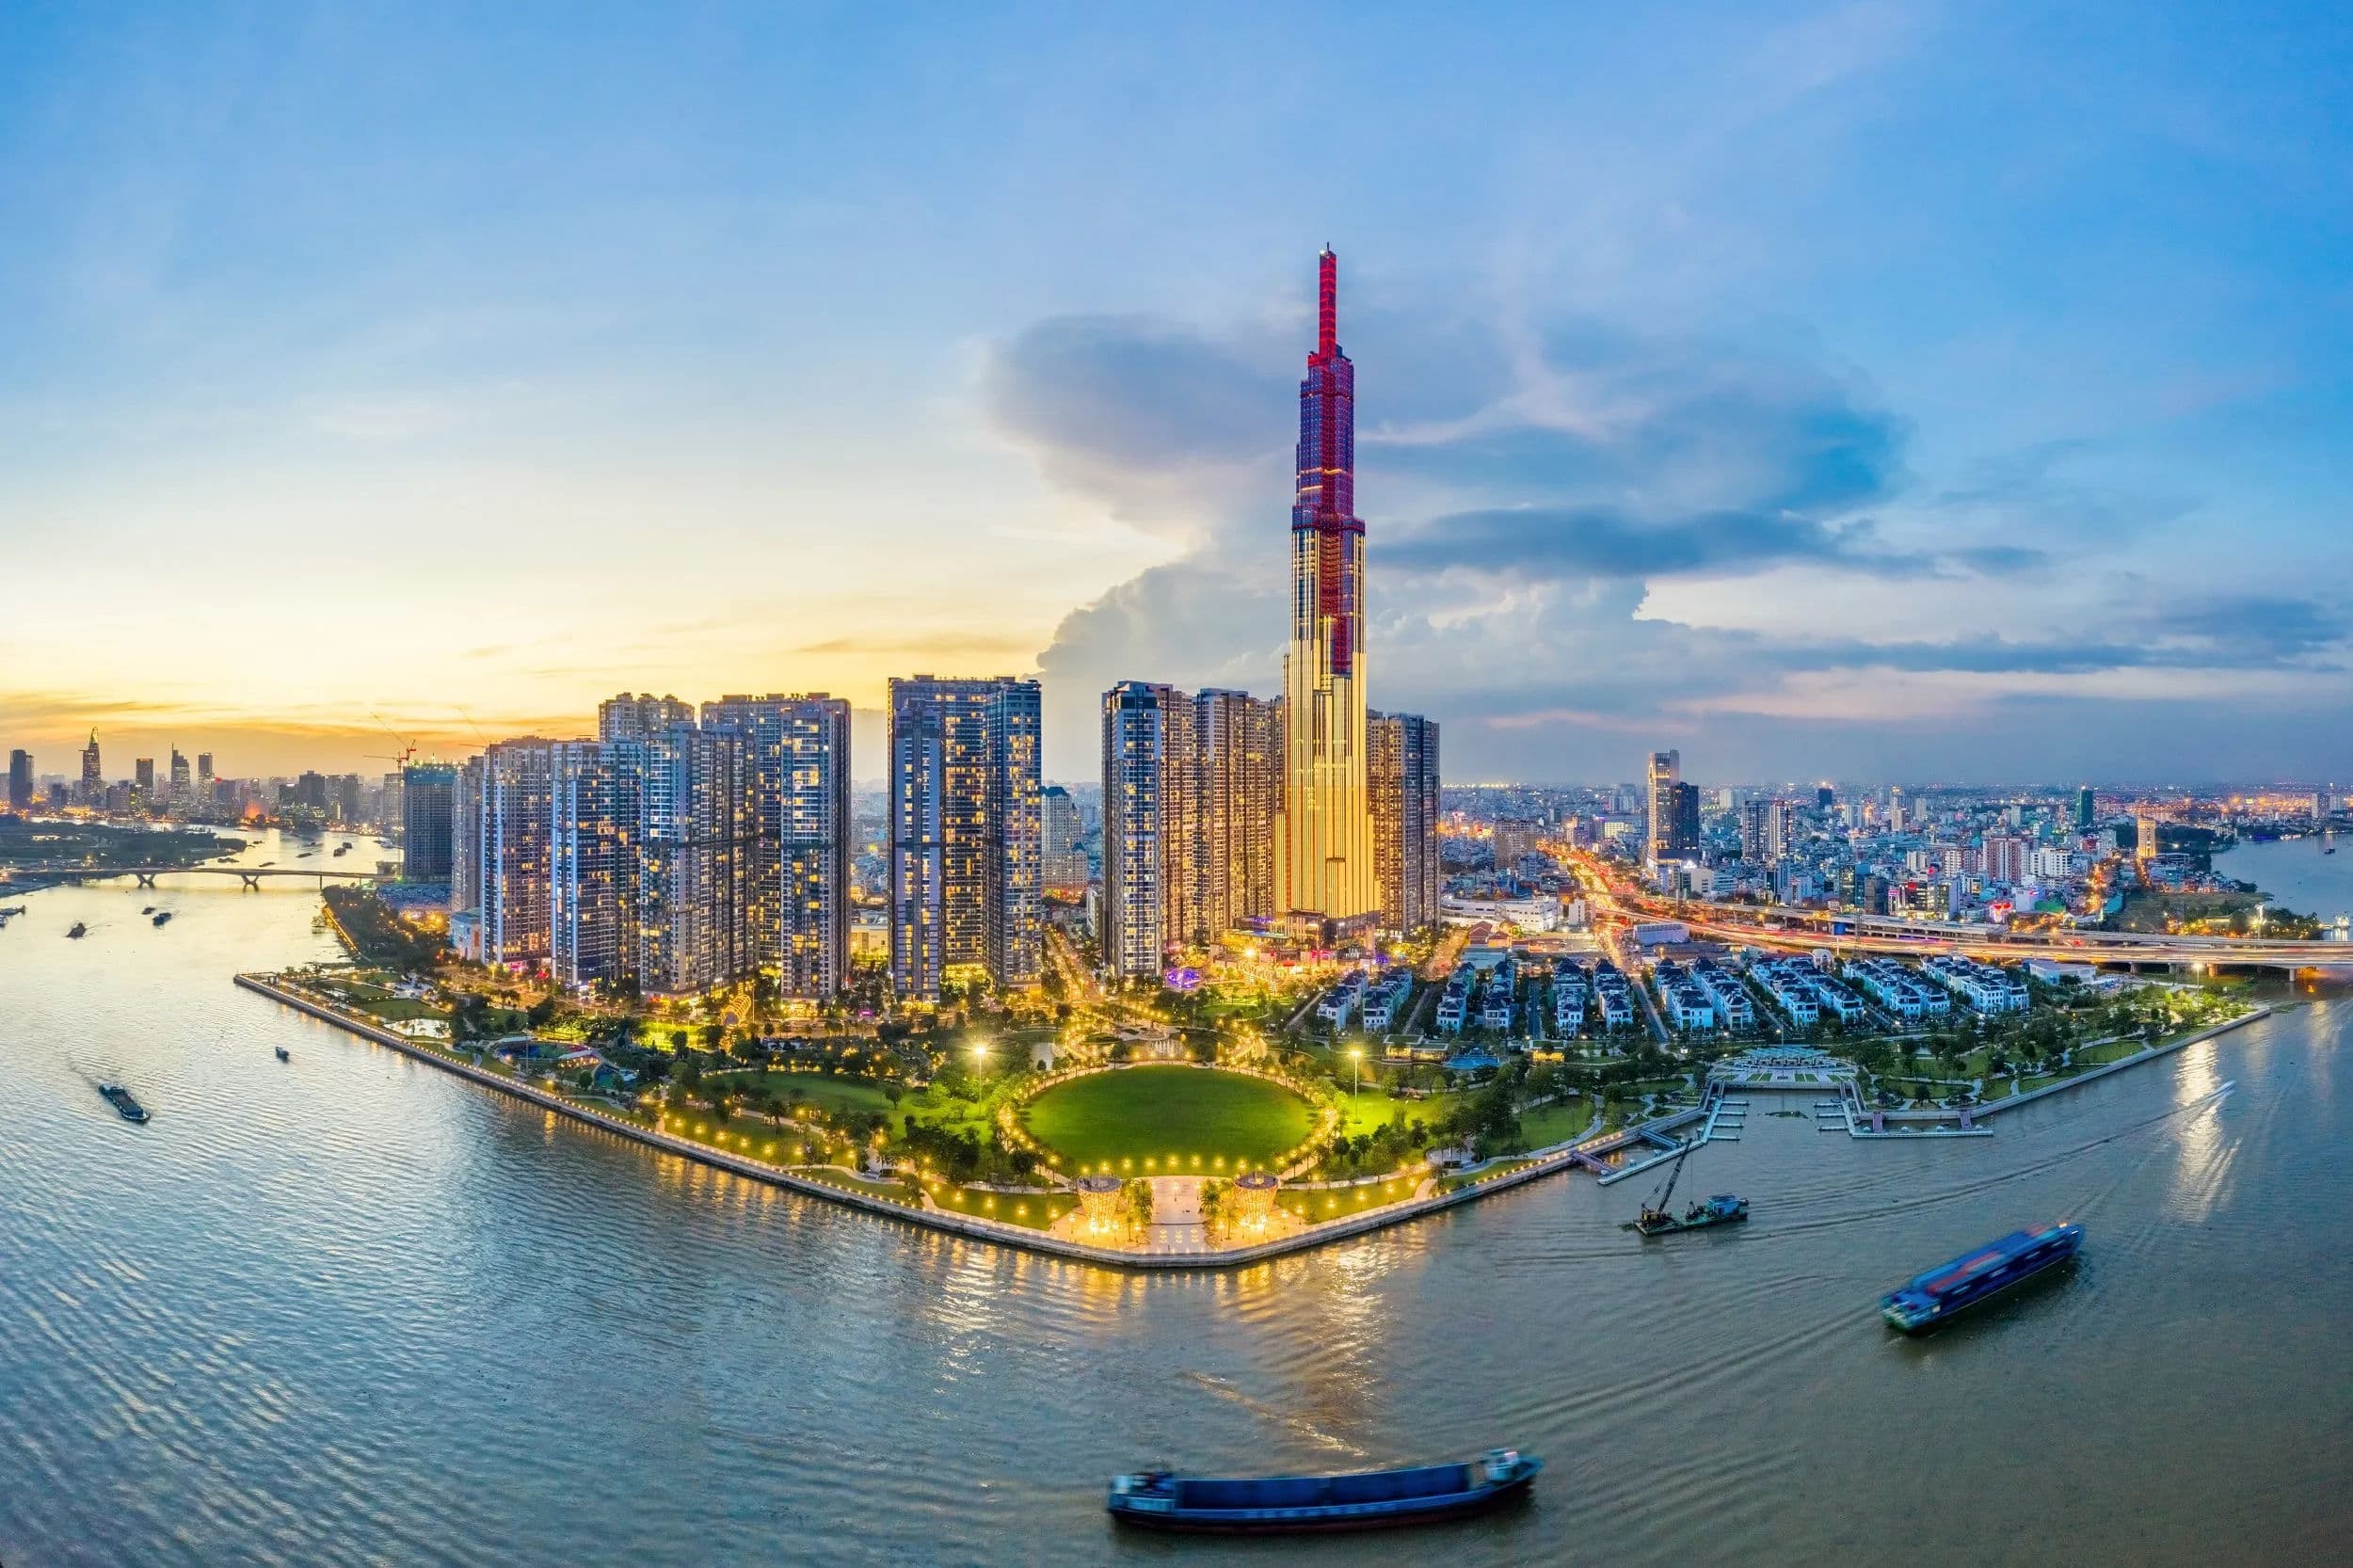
[1526, 485]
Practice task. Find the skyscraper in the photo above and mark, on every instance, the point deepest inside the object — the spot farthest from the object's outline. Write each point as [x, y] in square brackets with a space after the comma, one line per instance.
[1766, 828]
[1241, 745]
[640, 715]
[143, 778]
[799, 856]
[1065, 863]
[182, 792]
[465, 857]
[1403, 773]
[695, 844]
[204, 777]
[1326, 865]
[428, 805]
[20, 781]
[1666, 770]
[2086, 812]
[1151, 826]
[1685, 835]
[93, 781]
[593, 859]
[966, 835]
[516, 815]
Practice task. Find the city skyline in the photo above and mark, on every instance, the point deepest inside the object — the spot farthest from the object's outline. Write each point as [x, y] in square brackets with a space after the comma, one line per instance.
[1700, 440]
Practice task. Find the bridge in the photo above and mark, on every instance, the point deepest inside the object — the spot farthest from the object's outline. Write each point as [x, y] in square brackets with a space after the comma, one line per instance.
[251, 876]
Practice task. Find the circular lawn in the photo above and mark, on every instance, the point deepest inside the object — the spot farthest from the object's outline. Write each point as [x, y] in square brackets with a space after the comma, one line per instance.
[1141, 1120]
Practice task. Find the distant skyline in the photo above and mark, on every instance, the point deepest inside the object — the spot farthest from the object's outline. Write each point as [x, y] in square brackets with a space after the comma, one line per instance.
[1868, 391]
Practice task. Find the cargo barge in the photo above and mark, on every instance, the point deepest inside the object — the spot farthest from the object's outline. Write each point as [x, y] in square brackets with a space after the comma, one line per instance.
[1950, 1289]
[1371, 1499]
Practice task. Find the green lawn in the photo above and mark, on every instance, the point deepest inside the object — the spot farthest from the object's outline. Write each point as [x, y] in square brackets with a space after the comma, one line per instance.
[1556, 1123]
[1138, 1120]
[822, 1091]
[1339, 1203]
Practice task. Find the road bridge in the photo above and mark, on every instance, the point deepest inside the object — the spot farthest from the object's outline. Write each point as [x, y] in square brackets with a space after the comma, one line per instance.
[144, 876]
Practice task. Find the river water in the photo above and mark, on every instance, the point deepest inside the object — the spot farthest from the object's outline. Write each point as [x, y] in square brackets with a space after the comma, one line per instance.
[349, 1309]
[2296, 873]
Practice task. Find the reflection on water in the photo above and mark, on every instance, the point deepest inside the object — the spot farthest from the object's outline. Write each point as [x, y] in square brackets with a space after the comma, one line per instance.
[346, 1309]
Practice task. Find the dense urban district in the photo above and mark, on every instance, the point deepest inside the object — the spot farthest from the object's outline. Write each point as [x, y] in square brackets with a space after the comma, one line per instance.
[1262, 982]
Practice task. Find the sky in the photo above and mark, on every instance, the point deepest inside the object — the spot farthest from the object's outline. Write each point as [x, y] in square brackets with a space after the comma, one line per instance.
[1864, 390]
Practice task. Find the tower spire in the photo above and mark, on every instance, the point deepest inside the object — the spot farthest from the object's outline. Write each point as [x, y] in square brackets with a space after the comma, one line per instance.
[1327, 304]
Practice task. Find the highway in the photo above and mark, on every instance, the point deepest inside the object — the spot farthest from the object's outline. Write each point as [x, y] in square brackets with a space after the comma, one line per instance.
[1790, 929]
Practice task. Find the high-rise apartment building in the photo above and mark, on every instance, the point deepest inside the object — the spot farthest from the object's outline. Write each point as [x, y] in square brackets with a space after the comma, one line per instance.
[1665, 775]
[799, 856]
[593, 862]
[1152, 834]
[1240, 742]
[428, 809]
[1326, 861]
[20, 781]
[1766, 827]
[2146, 836]
[640, 716]
[966, 835]
[2007, 857]
[1064, 862]
[392, 807]
[465, 849]
[517, 815]
[1403, 772]
[695, 839]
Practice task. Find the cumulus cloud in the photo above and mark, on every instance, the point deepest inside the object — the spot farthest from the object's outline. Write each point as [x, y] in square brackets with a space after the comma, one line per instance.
[1525, 489]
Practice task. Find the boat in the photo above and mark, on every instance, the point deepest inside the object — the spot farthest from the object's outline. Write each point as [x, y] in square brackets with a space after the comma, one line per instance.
[282, 1054]
[1950, 1289]
[1722, 1208]
[78, 932]
[1656, 1219]
[1365, 1499]
[120, 1097]
[161, 915]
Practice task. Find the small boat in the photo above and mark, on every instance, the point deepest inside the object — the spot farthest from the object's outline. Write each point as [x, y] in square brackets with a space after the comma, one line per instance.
[1367, 1499]
[148, 910]
[282, 1056]
[1950, 1289]
[78, 932]
[120, 1097]
[161, 915]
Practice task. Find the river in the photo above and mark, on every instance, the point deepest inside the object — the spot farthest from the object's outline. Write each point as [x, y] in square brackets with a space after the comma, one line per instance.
[2296, 873]
[349, 1309]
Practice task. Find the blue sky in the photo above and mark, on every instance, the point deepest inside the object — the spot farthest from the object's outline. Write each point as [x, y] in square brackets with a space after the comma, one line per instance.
[1888, 391]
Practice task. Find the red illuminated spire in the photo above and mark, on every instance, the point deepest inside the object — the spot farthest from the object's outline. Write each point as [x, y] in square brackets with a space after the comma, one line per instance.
[1327, 304]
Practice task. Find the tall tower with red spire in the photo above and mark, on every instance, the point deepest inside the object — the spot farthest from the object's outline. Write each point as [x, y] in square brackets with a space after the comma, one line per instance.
[1328, 883]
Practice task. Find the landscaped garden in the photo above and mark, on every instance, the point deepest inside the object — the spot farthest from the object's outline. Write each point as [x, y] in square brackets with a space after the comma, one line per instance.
[1188, 1118]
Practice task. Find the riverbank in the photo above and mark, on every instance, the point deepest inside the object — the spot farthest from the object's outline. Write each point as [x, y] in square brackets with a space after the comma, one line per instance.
[1524, 1169]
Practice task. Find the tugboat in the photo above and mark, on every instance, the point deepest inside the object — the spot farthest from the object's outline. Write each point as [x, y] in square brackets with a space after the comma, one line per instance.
[282, 1056]
[78, 932]
[1948, 1290]
[120, 1097]
[1656, 1219]
[1274, 1505]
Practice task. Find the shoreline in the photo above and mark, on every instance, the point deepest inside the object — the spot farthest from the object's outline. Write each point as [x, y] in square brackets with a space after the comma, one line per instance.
[1550, 1162]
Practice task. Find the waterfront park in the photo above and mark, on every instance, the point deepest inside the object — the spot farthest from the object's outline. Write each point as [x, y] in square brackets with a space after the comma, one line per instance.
[1156, 1131]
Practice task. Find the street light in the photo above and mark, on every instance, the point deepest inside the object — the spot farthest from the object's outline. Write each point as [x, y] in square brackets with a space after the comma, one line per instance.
[1356, 1056]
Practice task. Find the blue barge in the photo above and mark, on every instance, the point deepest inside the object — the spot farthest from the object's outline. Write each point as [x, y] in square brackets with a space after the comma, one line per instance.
[1371, 1499]
[1950, 1289]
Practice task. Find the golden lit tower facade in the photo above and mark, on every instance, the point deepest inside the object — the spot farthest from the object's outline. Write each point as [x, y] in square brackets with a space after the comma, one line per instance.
[1328, 885]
